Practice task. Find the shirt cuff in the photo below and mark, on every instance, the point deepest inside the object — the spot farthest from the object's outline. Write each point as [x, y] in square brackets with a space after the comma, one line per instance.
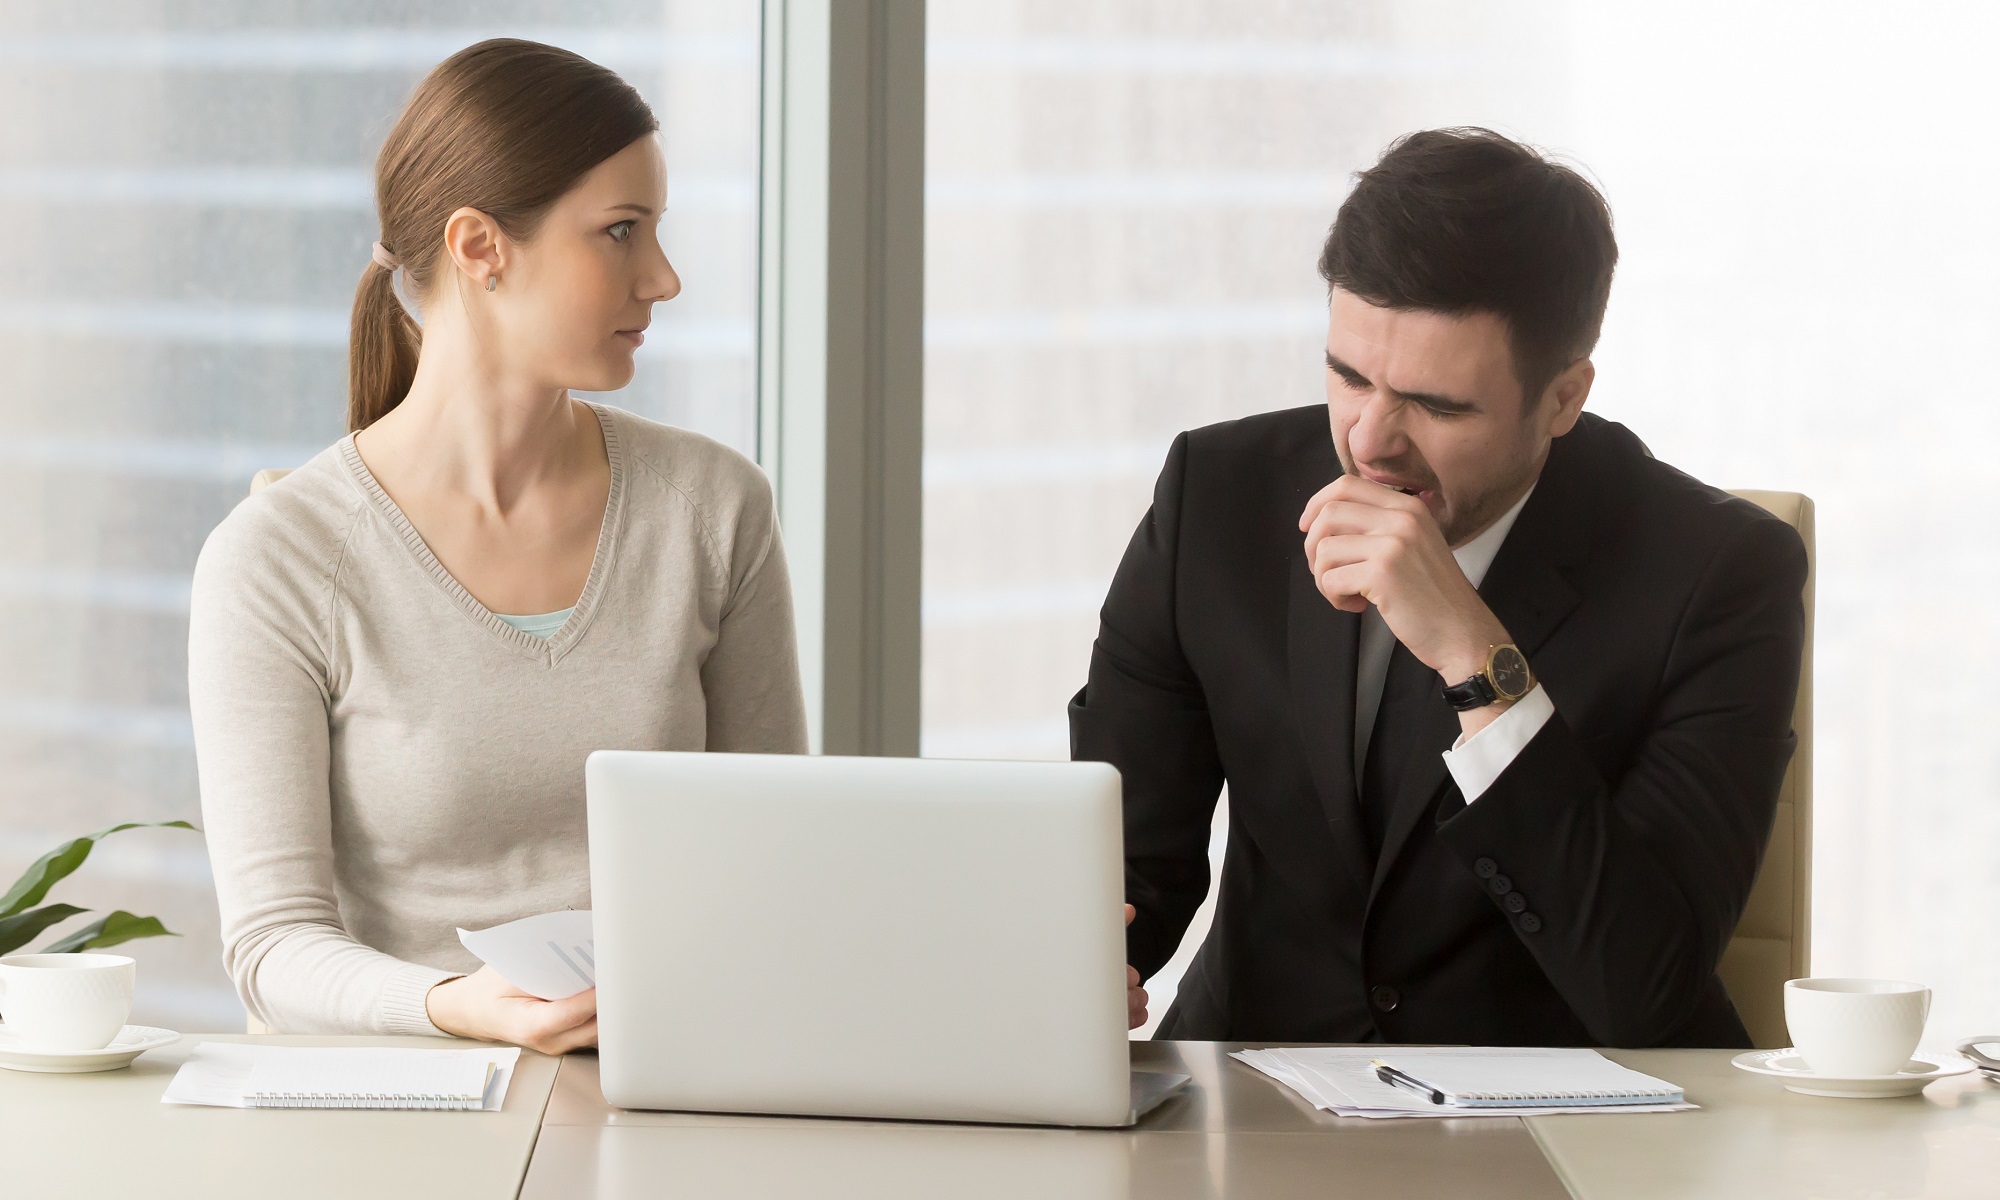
[1476, 761]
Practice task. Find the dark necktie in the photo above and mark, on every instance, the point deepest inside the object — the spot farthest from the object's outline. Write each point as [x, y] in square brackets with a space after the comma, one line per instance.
[1409, 691]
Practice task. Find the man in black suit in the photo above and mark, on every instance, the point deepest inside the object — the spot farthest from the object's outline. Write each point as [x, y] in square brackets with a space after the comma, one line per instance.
[1503, 731]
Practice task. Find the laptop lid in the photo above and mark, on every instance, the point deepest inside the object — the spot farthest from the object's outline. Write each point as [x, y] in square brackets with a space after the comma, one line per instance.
[867, 937]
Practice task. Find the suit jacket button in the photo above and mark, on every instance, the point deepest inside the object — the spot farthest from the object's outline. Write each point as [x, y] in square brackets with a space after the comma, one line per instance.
[1530, 923]
[1514, 902]
[1385, 999]
[1486, 868]
[1500, 884]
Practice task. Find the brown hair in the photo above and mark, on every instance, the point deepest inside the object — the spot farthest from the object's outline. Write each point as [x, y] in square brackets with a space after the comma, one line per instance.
[506, 127]
[1466, 220]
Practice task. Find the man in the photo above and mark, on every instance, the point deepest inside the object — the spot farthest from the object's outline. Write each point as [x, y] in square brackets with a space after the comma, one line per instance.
[1502, 703]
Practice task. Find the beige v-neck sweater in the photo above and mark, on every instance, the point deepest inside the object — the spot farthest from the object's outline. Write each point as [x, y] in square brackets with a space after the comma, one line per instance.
[382, 760]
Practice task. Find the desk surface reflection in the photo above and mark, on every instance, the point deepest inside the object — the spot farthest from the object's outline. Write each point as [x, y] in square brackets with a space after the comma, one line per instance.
[1230, 1133]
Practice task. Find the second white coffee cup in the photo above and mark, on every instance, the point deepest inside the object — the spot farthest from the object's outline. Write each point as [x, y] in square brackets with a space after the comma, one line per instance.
[66, 1001]
[1854, 1028]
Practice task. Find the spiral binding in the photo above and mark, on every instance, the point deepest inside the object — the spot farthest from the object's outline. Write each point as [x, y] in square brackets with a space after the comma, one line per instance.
[1621, 1094]
[1550, 1099]
[428, 1102]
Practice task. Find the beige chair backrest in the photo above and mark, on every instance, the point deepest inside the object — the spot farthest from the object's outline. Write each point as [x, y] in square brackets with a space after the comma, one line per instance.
[1773, 941]
[266, 477]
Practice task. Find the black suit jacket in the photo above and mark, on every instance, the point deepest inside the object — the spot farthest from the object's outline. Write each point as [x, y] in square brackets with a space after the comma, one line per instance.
[1663, 617]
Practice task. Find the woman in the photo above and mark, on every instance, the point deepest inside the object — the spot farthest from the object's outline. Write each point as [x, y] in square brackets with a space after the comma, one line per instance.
[400, 654]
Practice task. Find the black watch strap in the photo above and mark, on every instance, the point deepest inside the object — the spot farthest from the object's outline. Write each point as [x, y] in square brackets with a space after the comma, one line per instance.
[1476, 692]
[1506, 676]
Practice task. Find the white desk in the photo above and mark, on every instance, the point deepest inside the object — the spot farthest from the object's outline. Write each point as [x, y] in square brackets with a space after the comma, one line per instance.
[1238, 1134]
[1234, 1134]
[107, 1135]
[1754, 1140]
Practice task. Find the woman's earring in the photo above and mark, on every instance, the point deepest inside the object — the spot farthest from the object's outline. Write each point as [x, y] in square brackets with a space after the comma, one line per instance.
[492, 281]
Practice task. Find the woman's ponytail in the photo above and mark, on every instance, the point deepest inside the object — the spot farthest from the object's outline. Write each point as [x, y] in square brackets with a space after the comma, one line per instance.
[381, 349]
[506, 127]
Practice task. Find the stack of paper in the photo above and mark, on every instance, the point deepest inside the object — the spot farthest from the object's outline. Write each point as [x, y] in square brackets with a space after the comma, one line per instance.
[239, 1075]
[550, 955]
[1342, 1080]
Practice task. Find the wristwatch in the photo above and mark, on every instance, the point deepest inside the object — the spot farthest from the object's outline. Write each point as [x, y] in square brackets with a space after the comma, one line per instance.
[1506, 677]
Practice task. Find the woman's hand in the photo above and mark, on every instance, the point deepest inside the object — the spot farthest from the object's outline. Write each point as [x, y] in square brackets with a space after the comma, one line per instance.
[484, 1005]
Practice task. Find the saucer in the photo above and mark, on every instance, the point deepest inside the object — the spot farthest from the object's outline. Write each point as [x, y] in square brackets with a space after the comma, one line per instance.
[131, 1042]
[1786, 1065]
[1989, 1067]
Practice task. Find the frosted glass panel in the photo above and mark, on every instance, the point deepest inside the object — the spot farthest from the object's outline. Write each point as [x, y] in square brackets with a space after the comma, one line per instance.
[188, 200]
[1127, 200]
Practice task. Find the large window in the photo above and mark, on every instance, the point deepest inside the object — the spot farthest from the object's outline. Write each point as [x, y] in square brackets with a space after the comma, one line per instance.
[1125, 205]
[188, 197]
[1125, 201]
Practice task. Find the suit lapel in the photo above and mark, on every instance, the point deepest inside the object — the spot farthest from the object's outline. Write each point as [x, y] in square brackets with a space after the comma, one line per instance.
[1531, 597]
[1322, 644]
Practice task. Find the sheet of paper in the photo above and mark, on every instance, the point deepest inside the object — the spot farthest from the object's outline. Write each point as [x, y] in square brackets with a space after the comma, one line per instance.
[549, 955]
[1582, 1077]
[223, 1074]
[1338, 1079]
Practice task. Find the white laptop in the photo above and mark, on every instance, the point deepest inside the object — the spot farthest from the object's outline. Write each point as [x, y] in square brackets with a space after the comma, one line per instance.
[862, 937]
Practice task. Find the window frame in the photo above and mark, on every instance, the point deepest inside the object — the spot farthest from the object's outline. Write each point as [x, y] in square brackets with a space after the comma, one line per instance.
[840, 354]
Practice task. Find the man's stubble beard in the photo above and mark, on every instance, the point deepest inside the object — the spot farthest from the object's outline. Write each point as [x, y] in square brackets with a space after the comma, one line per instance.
[1479, 513]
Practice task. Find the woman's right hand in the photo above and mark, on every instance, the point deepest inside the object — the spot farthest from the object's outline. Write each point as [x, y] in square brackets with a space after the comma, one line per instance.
[484, 1005]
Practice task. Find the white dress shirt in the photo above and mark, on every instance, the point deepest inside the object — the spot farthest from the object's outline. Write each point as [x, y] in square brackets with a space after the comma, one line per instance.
[1476, 761]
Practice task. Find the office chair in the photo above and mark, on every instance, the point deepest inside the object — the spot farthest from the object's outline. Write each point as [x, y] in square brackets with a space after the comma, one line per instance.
[1773, 940]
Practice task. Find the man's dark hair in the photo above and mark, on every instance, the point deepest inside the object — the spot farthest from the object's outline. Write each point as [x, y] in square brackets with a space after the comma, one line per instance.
[1465, 220]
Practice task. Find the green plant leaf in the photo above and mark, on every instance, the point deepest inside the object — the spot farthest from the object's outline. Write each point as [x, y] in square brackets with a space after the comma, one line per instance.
[15, 931]
[114, 928]
[53, 866]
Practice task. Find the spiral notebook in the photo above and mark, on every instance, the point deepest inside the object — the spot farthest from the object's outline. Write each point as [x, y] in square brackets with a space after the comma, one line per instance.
[239, 1075]
[1577, 1079]
[1482, 1081]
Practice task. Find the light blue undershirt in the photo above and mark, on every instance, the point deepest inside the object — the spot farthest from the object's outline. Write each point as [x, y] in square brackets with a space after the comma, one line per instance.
[540, 625]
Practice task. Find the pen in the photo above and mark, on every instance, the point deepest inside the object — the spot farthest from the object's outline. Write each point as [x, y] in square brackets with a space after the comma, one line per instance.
[1390, 1075]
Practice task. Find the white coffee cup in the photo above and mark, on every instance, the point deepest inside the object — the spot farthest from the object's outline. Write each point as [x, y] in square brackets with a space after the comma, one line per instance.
[66, 1001]
[1854, 1028]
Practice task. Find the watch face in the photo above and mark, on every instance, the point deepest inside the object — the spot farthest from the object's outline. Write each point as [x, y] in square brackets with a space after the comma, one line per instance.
[1507, 669]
